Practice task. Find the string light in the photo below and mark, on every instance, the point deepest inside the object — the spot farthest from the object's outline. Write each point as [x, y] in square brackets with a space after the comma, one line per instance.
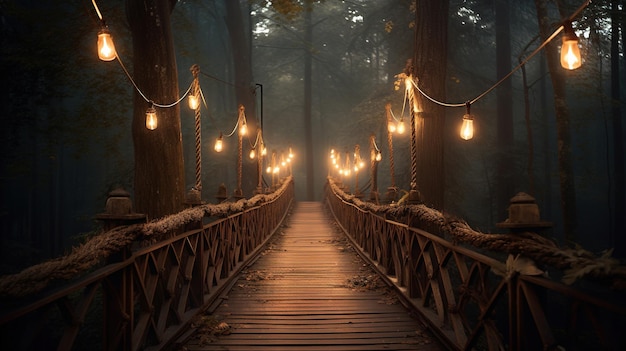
[194, 101]
[219, 143]
[151, 118]
[570, 53]
[569, 49]
[106, 48]
[467, 128]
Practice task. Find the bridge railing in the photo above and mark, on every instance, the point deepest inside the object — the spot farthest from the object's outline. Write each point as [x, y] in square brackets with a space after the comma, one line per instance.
[146, 295]
[476, 299]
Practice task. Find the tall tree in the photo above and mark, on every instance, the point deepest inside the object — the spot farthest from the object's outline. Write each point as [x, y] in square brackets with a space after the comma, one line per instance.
[566, 174]
[159, 172]
[617, 22]
[429, 67]
[308, 129]
[504, 106]
[239, 35]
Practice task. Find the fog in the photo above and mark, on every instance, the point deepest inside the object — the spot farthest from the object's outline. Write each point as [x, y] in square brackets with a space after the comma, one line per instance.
[66, 115]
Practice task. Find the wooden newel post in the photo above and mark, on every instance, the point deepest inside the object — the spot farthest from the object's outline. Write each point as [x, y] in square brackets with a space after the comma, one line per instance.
[118, 288]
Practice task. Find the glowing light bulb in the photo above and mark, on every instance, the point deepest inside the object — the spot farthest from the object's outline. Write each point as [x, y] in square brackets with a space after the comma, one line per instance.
[219, 144]
[467, 128]
[106, 48]
[243, 130]
[252, 154]
[401, 127]
[570, 53]
[391, 127]
[193, 101]
[151, 118]
[379, 156]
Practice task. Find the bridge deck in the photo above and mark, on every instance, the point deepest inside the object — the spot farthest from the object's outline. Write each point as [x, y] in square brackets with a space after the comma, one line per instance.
[309, 291]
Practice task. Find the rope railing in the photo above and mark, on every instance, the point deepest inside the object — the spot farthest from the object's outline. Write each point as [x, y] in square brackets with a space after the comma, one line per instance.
[576, 263]
[472, 296]
[91, 253]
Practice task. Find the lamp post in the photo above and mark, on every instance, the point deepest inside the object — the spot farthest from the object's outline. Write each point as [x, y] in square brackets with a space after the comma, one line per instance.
[260, 155]
[243, 129]
[358, 164]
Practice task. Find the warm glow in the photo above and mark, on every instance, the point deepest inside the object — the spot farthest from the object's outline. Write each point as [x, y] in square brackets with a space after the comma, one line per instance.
[243, 130]
[276, 169]
[290, 154]
[269, 169]
[194, 102]
[219, 144]
[252, 154]
[408, 83]
[391, 127]
[263, 151]
[379, 156]
[106, 49]
[151, 118]
[570, 53]
[401, 127]
[467, 128]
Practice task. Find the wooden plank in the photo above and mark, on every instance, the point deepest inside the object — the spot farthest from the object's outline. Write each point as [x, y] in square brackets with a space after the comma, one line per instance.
[309, 291]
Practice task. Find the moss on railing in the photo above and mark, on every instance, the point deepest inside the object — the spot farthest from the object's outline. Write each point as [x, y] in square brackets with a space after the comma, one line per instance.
[97, 248]
[575, 263]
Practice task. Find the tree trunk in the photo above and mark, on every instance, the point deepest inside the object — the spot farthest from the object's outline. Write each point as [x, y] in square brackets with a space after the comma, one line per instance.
[159, 171]
[618, 147]
[244, 89]
[566, 175]
[308, 129]
[504, 119]
[429, 67]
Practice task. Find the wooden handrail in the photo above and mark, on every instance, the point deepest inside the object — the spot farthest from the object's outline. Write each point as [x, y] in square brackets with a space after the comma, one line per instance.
[471, 298]
[148, 297]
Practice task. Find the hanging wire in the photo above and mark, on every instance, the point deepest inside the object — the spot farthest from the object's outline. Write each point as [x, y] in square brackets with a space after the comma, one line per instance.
[536, 51]
[144, 95]
[95, 6]
[376, 146]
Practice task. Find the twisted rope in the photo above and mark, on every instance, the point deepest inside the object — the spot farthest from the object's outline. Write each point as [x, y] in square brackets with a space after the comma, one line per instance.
[92, 253]
[195, 70]
[575, 263]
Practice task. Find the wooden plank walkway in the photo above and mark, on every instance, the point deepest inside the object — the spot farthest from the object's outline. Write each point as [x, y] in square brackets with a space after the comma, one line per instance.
[310, 291]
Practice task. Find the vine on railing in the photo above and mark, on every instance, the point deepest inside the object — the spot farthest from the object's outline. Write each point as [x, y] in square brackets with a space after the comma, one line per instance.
[473, 297]
[576, 263]
[88, 255]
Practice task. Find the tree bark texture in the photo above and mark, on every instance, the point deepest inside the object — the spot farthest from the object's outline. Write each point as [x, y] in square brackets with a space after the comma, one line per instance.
[504, 117]
[159, 172]
[566, 174]
[308, 97]
[619, 242]
[429, 67]
[244, 89]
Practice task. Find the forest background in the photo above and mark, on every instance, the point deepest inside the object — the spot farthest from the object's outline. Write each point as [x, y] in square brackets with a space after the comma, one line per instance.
[66, 116]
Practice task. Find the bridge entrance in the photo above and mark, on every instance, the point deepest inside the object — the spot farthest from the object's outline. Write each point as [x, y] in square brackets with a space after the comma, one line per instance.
[309, 290]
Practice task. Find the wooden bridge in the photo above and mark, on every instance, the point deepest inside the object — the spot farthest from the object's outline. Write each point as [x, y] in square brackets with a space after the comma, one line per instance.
[310, 291]
[248, 275]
